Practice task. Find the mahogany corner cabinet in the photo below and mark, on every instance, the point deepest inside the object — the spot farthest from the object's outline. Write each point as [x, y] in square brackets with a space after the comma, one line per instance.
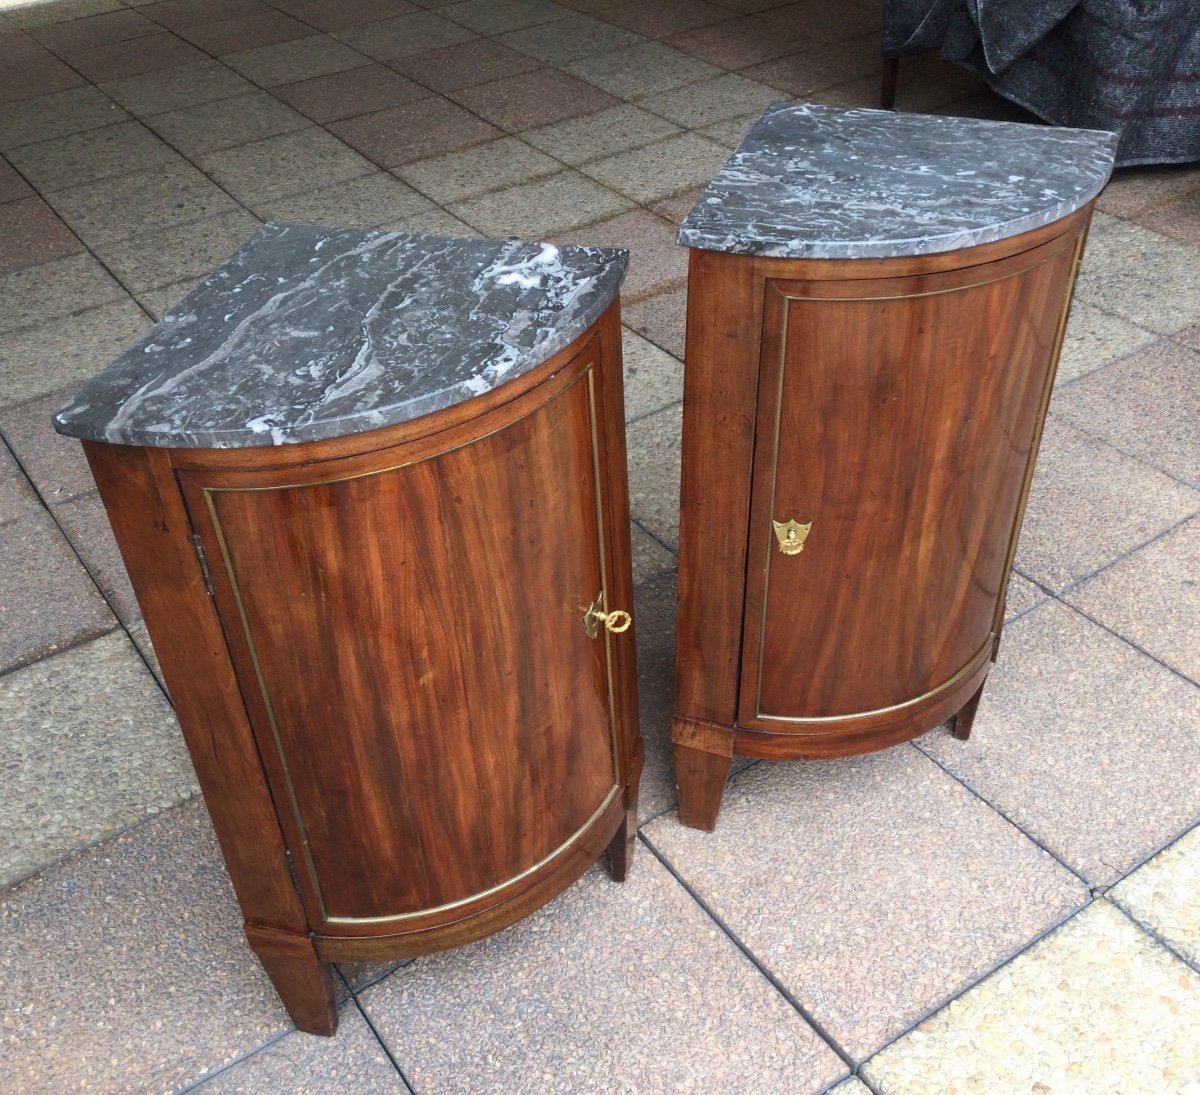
[876, 303]
[370, 489]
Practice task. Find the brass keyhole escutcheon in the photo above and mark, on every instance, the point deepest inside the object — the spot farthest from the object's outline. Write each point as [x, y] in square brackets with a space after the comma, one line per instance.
[791, 536]
[595, 617]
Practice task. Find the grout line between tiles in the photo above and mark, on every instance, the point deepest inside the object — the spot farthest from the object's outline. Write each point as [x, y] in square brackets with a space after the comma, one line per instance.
[749, 955]
[379, 1038]
[1154, 935]
[200, 1081]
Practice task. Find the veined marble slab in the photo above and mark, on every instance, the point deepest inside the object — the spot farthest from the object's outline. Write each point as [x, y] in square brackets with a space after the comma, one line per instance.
[826, 182]
[307, 333]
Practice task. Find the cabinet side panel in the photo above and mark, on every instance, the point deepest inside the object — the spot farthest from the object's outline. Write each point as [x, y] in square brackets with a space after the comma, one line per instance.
[442, 720]
[151, 528]
[720, 389]
[901, 423]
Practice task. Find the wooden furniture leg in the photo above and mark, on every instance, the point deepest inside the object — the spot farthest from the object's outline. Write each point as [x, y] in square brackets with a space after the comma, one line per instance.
[965, 718]
[620, 848]
[700, 777]
[304, 983]
[887, 88]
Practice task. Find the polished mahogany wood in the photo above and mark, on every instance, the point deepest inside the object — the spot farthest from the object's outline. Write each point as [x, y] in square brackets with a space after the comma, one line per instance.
[895, 405]
[404, 734]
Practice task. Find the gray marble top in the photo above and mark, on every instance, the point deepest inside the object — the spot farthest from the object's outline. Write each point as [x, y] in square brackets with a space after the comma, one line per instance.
[308, 333]
[825, 182]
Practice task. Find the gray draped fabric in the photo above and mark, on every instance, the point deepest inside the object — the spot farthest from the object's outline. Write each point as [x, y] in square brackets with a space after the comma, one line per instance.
[1130, 66]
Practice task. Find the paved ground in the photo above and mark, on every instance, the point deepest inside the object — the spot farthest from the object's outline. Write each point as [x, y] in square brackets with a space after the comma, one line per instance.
[1020, 913]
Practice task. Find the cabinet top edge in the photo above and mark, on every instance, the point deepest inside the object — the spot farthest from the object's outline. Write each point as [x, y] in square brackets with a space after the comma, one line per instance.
[811, 181]
[307, 333]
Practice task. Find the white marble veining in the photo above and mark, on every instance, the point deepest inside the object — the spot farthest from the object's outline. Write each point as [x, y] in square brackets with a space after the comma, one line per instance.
[826, 182]
[308, 333]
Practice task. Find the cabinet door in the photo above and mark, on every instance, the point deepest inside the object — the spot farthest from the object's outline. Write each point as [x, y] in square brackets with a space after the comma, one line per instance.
[407, 628]
[898, 420]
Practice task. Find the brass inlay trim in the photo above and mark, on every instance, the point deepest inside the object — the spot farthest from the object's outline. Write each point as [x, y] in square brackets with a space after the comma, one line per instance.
[293, 801]
[779, 389]
[977, 659]
[494, 889]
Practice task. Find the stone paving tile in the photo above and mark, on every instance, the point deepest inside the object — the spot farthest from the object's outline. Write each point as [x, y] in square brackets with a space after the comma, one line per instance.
[625, 988]
[852, 1086]
[1095, 338]
[352, 1061]
[712, 100]
[662, 319]
[533, 99]
[17, 498]
[678, 206]
[650, 558]
[1094, 1007]
[540, 209]
[140, 635]
[614, 130]
[1180, 220]
[245, 32]
[656, 262]
[474, 171]
[177, 14]
[1139, 275]
[653, 378]
[1164, 894]
[1084, 742]
[85, 524]
[739, 43]
[654, 473]
[279, 166]
[12, 186]
[927, 85]
[568, 39]
[665, 17]
[158, 301]
[1136, 190]
[419, 32]
[1147, 405]
[144, 981]
[1190, 337]
[729, 133]
[665, 167]
[365, 202]
[96, 154]
[300, 59]
[94, 748]
[189, 250]
[436, 222]
[1152, 598]
[1022, 595]
[68, 350]
[891, 887]
[464, 65]
[58, 115]
[641, 70]
[1089, 504]
[33, 79]
[345, 13]
[836, 63]
[414, 131]
[497, 16]
[146, 201]
[225, 123]
[40, 15]
[176, 88]
[54, 464]
[346, 94]
[31, 232]
[72, 35]
[121, 59]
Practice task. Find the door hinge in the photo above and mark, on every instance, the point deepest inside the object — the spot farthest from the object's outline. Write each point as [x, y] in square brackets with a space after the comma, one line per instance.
[198, 544]
[291, 866]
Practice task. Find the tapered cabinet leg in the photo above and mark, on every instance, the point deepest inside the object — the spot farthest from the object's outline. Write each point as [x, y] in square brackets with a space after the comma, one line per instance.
[700, 777]
[965, 718]
[304, 983]
[620, 849]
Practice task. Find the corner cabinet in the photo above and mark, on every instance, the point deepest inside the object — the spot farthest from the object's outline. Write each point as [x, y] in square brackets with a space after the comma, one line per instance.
[400, 656]
[860, 430]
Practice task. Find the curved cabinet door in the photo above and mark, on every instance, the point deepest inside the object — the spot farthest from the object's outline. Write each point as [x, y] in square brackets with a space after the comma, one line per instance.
[407, 630]
[898, 418]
